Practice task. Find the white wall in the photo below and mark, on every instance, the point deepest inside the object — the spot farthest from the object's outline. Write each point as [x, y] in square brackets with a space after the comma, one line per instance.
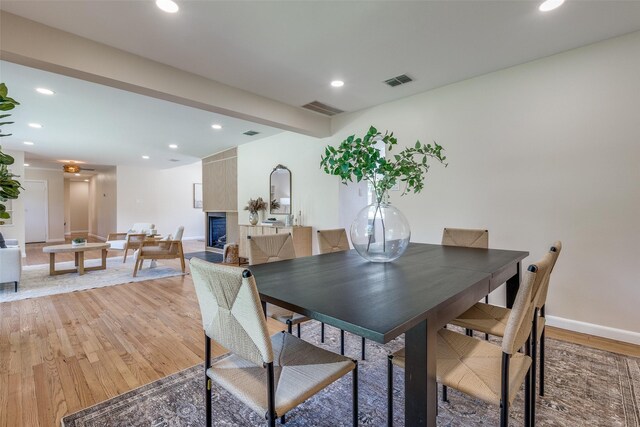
[15, 230]
[542, 151]
[102, 204]
[56, 207]
[79, 203]
[163, 197]
[313, 192]
[67, 206]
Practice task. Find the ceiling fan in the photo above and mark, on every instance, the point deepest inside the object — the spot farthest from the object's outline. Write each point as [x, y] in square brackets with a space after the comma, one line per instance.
[73, 168]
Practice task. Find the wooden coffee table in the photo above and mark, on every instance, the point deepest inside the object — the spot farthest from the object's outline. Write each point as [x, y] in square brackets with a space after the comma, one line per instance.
[79, 255]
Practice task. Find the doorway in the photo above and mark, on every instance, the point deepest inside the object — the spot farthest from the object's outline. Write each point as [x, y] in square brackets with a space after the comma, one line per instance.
[78, 204]
[36, 201]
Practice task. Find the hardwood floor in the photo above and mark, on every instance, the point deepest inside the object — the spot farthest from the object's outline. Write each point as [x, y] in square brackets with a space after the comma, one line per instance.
[594, 342]
[62, 353]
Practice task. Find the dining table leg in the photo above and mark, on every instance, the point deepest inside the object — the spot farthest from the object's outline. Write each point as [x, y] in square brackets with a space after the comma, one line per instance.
[421, 393]
[513, 284]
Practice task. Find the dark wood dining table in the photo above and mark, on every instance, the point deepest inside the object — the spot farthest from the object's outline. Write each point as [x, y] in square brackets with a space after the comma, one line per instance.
[417, 294]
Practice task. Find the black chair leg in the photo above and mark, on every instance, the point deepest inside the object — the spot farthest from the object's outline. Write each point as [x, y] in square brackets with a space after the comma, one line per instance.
[283, 419]
[207, 381]
[354, 379]
[322, 332]
[16, 287]
[208, 390]
[445, 398]
[364, 346]
[534, 356]
[504, 391]
[486, 337]
[289, 326]
[542, 362]
[271, 396]
[298, 330]
[389, 392]
[341, 342]
[469, 332]
[527, 388]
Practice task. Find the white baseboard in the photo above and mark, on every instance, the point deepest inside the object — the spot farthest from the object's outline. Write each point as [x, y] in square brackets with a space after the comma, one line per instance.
[193, 238]
[79, 231]
[596, 330]
[55, 240]
[95, 236]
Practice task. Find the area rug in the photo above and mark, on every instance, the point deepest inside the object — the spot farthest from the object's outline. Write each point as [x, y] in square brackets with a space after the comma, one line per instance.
[584, 387]
[205, 255]
[36, 281]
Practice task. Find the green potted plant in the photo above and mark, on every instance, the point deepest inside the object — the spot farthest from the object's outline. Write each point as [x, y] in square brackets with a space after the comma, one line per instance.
[79, 241]
[9, 187]
[254, 207]
[380, 232]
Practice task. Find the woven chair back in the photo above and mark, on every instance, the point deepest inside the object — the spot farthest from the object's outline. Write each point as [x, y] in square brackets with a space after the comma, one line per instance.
[231, 310]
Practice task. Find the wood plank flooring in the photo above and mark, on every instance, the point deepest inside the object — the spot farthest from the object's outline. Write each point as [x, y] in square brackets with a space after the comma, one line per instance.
[62, 353]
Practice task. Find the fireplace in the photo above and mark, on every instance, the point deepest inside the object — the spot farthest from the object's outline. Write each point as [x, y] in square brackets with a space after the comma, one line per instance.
[217, 225]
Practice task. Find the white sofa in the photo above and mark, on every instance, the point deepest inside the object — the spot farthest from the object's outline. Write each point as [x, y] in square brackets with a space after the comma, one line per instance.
[11, 263]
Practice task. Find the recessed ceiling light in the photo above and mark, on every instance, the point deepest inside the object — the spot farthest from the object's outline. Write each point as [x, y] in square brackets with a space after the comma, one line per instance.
[76, 174]
[550, 5]
[337, 83]
[216, 126]
[86, 180]
[26, 164]
[168, 6]
[28, 143]
[44, 91]
[145, 157]
[35, 125]
[174, 146]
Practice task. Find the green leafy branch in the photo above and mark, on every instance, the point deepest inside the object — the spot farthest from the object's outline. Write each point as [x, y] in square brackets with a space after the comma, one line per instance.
[360, 158]
[9, 187]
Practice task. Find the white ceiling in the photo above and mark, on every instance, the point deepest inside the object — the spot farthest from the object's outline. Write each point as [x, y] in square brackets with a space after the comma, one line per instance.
[289, 51]
[285, 50]
[100, 125]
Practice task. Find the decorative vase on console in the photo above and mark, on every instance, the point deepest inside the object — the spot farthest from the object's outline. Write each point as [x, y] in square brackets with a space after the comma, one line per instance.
[254, 207]
[253, 218]
[380, 232]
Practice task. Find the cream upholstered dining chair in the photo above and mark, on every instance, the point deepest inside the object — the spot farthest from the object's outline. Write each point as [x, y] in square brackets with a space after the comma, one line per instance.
[484, 370]
[132, 239]
[271, 375]
[168, 248]
[272, 248]
[539, 326]
[333, 241]
[468, 238]
[492, 319]
[329, 241]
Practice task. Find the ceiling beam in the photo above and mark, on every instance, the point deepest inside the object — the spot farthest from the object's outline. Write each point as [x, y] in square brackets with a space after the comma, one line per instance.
[35, 45]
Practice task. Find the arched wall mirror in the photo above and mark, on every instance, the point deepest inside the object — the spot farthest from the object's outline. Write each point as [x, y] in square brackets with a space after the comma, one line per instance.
[280, 201]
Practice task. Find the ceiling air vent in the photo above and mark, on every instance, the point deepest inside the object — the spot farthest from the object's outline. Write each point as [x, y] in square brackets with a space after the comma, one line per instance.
[321, 108]
[250, 133]
[398, 80]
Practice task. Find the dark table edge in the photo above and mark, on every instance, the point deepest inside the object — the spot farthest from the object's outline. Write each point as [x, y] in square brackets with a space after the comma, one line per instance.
[394, 333]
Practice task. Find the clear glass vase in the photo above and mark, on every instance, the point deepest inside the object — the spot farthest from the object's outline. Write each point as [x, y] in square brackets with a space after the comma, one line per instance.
[380, 233]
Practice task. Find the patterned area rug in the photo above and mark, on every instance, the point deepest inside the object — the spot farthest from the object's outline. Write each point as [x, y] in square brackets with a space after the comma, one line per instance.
[36, 281]
[584, 387]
